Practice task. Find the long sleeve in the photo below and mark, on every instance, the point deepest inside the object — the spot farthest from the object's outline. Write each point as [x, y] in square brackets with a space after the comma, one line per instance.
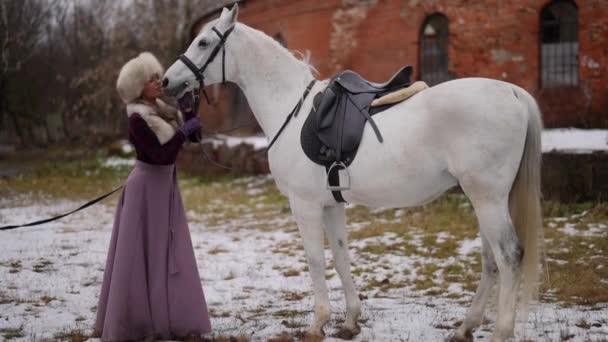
[147, 146]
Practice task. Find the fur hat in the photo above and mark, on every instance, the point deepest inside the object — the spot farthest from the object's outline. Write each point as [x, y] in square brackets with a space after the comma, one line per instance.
[135, 74]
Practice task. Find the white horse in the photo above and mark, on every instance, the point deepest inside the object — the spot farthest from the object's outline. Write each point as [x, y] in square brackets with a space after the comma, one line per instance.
[481, 134]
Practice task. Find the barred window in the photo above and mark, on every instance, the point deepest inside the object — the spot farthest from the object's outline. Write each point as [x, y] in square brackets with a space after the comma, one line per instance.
[434, 50]
[559, 44]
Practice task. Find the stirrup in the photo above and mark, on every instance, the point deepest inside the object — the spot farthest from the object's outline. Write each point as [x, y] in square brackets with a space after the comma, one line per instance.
[338, 187]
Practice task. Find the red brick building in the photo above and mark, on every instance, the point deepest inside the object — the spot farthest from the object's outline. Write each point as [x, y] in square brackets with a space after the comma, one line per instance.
[556, 49]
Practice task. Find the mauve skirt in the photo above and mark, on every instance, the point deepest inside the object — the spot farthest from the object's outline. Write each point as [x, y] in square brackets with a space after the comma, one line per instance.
[151, 286]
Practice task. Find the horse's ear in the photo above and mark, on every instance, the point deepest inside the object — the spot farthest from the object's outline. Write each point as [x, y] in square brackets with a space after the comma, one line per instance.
[228, 17]
[233, 14]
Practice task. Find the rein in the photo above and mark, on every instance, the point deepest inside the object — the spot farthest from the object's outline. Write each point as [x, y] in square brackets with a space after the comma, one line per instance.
[293, 113]
[88, 204]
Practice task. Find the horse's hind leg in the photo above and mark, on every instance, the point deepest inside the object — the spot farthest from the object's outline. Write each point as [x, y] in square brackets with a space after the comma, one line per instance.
[309, 217]
[496, 227]
[335, 224]
[476, 311]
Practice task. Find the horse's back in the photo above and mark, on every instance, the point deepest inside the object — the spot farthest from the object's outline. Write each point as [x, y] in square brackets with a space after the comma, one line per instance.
[462, 128]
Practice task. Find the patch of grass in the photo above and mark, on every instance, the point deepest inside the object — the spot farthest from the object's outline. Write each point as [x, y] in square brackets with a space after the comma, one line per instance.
[72, 179]
[218, 339]
[384, 284]
[217, 250]
[358, 271]
[257, 310]
[422, 284]
[215, 313]
[293, 296]
[11, 333]
[559, 209]
[583, 324]
[291, 273]
[398, 248]
[15, 266]
[42, 266]
[4, 299]
[287, 313]
[288, 248]
[577, 263]
[72, 335]
[291, 324]
[451, 213]
[47, 299]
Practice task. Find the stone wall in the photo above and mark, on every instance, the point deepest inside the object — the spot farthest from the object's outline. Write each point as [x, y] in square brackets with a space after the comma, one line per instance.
[575, 177]
[211, 161]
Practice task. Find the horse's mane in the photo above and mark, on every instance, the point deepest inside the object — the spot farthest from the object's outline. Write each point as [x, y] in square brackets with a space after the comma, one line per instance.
[303, 59]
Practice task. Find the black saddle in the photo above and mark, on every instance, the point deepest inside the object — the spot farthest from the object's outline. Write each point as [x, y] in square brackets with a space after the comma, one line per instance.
[332, 132]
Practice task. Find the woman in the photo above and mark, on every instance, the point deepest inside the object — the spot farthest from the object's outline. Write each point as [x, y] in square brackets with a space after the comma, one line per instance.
[151, 286]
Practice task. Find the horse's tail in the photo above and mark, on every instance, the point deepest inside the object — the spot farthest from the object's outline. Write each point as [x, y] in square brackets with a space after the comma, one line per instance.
[525, 200]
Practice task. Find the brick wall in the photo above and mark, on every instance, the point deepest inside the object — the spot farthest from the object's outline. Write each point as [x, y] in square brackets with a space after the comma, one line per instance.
[495, 39]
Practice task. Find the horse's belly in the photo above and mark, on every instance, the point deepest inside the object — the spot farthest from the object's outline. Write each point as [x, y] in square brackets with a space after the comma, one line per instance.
[396, 177]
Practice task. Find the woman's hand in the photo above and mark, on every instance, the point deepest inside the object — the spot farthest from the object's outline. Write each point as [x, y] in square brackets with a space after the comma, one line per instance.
[192, 125]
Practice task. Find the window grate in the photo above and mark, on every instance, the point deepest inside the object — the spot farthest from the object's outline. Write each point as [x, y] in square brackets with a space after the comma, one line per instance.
[559, 44]
[434, 50]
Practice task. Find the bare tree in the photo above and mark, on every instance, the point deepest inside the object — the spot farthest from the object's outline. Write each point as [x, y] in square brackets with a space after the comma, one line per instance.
[22, 24]
[60, 59]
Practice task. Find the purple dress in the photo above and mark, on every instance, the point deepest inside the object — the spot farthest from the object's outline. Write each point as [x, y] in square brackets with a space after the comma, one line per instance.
[151, 286]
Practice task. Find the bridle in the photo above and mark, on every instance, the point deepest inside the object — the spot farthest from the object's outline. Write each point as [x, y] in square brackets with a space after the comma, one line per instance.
[198, 72]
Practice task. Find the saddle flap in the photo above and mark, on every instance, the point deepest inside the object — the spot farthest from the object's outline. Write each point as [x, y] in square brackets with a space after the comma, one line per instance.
[325, 111]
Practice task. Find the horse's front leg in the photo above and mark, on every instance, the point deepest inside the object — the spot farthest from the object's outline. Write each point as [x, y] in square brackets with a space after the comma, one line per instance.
[335, 223]
[309, 217]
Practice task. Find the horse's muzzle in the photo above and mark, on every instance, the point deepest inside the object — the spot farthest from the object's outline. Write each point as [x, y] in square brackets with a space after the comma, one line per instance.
[174, 90]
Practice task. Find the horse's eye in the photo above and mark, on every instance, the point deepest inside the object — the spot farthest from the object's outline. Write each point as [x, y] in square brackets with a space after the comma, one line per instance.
[203, 43]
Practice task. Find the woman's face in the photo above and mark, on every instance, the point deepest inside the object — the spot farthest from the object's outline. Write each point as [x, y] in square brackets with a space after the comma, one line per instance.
[152, 89]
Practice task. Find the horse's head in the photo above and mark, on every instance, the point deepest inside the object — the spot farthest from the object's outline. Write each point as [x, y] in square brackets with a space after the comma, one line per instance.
[203, 62]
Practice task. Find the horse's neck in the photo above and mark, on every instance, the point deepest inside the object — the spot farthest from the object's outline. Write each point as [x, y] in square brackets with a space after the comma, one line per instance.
[271, 78]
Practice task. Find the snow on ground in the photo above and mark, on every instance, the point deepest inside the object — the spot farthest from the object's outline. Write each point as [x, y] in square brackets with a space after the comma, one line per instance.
[575, 140]
[258, 142]
[253, 273]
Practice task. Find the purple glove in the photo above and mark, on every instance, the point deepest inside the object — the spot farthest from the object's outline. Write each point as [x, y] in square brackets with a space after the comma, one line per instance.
[188, 104]
[193, 125]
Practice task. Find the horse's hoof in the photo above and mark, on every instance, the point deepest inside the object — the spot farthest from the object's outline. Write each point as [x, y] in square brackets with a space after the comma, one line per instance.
[314, 337]
[347, 333]
[468, 337]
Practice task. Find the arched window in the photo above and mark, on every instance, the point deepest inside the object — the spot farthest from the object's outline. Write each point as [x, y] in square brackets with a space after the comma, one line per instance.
[559, 44]
[434, 50]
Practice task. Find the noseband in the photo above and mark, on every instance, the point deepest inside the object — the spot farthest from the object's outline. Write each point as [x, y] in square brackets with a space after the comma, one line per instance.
[198, 72]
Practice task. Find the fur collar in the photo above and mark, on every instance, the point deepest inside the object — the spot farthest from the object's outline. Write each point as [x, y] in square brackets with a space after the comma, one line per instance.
[162, 119]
